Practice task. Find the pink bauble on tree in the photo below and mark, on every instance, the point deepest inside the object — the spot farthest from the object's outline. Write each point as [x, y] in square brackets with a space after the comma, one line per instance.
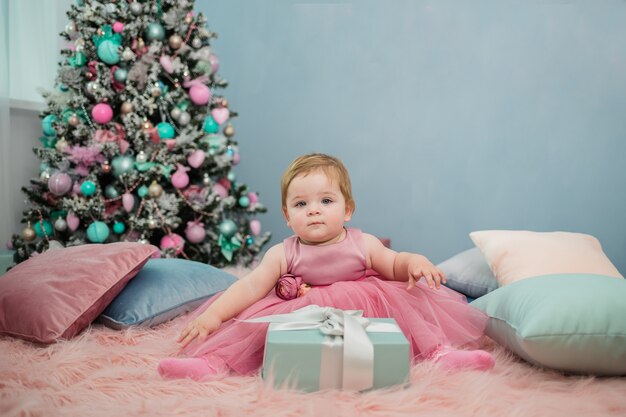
[180, 179]
[59, 183]
[173, 241]
[102, 113]
[255, 227]
[196, 158]
[200, 94]
[118, 27]
[220, 190]
[195, 232]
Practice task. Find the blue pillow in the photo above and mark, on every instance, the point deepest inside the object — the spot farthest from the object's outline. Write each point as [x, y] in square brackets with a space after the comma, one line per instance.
[162, 290]
[570, 322]
[469, 273]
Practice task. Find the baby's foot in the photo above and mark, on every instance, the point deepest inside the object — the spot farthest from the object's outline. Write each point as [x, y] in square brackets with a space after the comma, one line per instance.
[194, 368]
[452, 359]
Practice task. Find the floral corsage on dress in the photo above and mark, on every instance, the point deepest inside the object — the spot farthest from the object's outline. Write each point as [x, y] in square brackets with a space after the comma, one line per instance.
[289, 287]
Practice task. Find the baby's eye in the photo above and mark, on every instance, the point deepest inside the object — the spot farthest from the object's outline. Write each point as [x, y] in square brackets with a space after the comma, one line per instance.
[300, 204]
[326, 201]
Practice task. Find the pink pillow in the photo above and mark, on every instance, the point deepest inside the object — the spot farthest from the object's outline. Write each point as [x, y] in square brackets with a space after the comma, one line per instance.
[513, 255]
[57, 294]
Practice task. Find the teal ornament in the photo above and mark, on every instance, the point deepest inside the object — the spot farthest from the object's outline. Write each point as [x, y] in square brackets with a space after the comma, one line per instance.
[142, 191]
[144, 166]
[108, 45]
[46, 125]
[44, 167]
[120, 74]
[77, 60]
[228, 228]
[48, 141]
[111, 192]
[244, 201]
[109, 52]
[119, 228]
[155, 32]
[88, 188]
[231, 176]
[249, 241]
[43, 228]
[210, 125]
[166, 130]
[228, 245]
[63, 87]
[98, 232]
[122, 164]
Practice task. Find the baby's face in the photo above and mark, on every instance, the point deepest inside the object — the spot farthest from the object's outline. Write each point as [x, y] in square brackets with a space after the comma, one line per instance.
[316, 210]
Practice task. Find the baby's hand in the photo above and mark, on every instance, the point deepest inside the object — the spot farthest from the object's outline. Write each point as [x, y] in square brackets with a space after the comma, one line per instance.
[422, 267]
[199, 329]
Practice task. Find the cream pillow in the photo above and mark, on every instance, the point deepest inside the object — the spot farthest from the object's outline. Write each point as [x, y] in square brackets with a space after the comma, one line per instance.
[513, 255]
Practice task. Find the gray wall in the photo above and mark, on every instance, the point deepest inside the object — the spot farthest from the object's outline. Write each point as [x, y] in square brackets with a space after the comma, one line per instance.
[452, 116]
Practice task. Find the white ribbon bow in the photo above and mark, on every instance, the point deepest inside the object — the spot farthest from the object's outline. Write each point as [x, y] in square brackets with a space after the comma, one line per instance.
[346, 328]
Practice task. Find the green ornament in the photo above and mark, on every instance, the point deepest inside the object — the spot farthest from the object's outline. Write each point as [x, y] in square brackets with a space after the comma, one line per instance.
[98, 232]
[119, 228]
[210, 125]
[46, 125]
[142, 191]
[78, 60]
[155, 32]
[43, 228]
[228, 245]
[88, 188]
[228, 228]
[122, 164]
[244, 201]
[166, 130]
[48, 141]
[111, 192]
[109, 52]
[120, 74]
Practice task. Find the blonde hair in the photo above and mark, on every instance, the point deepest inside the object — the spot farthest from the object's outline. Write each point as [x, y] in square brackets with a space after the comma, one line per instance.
[331, 166]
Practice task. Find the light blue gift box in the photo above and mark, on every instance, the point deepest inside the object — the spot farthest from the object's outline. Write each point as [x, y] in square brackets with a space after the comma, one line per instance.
[293, 358]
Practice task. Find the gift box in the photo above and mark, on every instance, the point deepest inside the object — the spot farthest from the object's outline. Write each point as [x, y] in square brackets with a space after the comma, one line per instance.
[310, 360]
[6, 260]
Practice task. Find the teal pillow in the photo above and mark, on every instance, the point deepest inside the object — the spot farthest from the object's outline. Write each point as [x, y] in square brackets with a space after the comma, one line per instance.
[574, 323]
[162, 290]
[468, 273]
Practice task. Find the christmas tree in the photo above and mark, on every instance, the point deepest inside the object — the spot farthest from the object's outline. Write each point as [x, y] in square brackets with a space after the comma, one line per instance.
[138, 142]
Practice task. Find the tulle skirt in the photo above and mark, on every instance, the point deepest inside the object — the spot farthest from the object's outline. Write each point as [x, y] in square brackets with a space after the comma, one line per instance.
[428, 318]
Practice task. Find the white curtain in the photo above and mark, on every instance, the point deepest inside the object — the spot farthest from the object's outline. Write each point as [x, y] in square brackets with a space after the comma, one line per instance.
[29, 51]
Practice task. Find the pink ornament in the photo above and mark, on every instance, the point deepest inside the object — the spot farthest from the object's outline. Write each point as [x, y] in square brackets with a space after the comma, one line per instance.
[180, 179]
[166, 63]
[255, 227]
[236, 158]
[195, 232]
[220, 190]
[128, 201]
[196, 158]
[173, 241]
[200, 94]
[253, 197]
[59, 183]
[225, 183]
[102, 113]
[220, 115]
[118, 27]
[9, 244]
[72, 221]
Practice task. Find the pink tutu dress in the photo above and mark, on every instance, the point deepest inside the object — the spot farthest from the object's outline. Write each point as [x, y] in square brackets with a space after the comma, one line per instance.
[429, 318]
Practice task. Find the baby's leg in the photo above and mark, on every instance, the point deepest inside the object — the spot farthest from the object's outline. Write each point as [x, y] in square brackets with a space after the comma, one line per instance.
[453, 359]
[199, 368]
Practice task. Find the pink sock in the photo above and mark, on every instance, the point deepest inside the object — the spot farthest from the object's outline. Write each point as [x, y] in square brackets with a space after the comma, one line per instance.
[194, 368]
[452, 359]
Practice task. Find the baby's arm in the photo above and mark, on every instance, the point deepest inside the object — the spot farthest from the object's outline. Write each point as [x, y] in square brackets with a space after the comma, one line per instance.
[239, 296]
[403, 266]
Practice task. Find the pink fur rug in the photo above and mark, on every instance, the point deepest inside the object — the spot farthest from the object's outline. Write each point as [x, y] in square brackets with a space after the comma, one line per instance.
[104, 372]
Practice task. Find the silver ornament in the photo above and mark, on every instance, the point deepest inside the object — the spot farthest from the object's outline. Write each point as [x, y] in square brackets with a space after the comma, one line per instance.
[136, 8]
[206, 180]
[152, 223]
[128, 54]
[143, 240]
[60, 224]
[184, 119]
[70, 28]
[45, 176]
[196, 43]
[175, 113]
[141, 157]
